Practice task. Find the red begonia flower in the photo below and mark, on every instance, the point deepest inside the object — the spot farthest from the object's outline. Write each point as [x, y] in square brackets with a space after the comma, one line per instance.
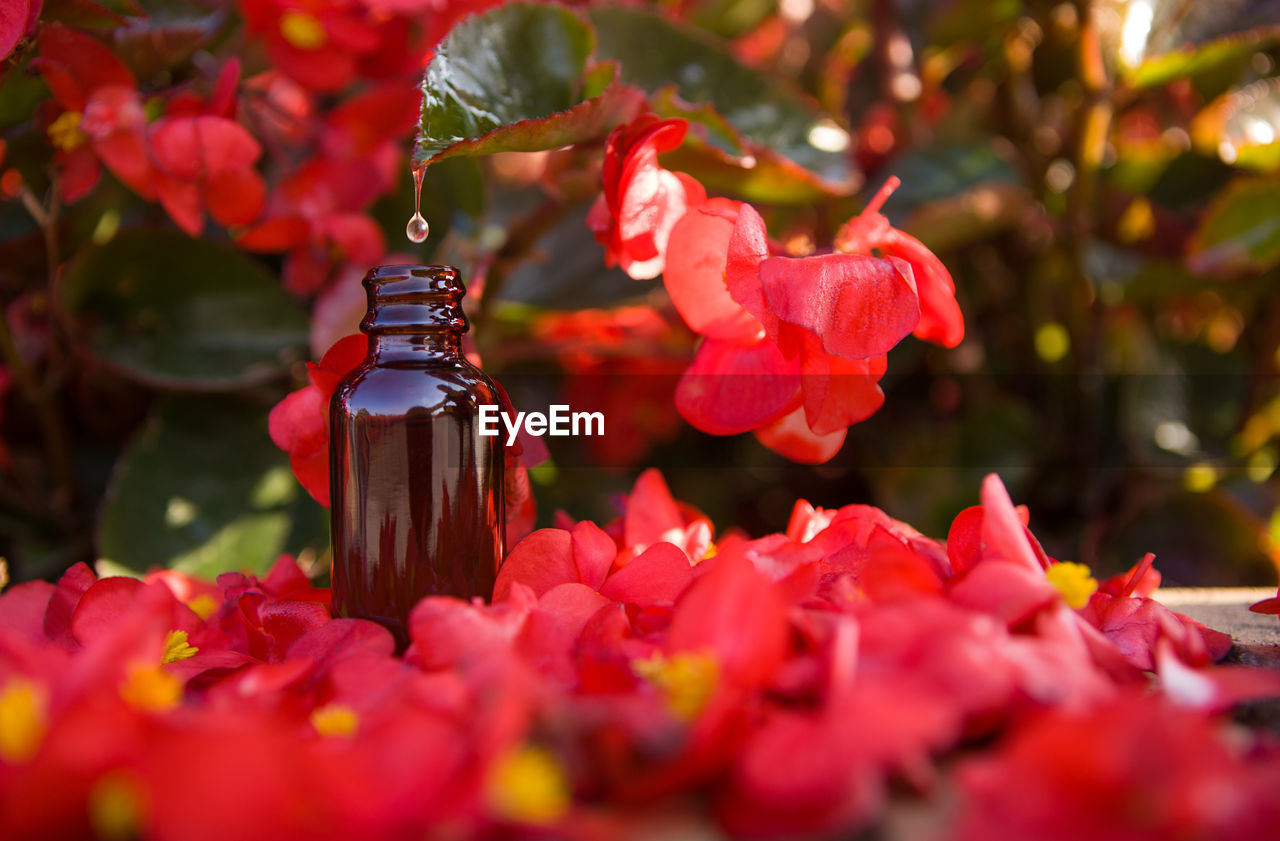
[827, 319]
[695, 274]
[16, 23]
[298, 424]
[641, 201]
[869, 231]
[790, 436]
[316, 215]
[319, 44]
[206, 162]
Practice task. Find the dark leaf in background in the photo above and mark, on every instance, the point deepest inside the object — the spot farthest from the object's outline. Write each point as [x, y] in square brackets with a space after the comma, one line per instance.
[1154, 42]
[203, 490]
[795, 154]
[154, 45]
[1240, 232]
[174, 312]
[517, 79]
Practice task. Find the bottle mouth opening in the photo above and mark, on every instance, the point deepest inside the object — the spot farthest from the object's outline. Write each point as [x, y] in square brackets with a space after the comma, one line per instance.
[410, 282]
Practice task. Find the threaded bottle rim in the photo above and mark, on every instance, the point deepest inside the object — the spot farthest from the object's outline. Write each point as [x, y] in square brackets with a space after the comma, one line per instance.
[412, 299]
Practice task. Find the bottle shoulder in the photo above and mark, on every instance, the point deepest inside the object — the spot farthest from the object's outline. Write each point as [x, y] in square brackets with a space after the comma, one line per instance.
[399, 388]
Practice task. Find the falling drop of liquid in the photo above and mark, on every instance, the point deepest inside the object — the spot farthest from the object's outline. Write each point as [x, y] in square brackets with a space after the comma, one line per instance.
[417, 229]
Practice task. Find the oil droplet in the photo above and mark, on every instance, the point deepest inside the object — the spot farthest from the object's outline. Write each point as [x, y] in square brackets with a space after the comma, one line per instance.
[417, 229]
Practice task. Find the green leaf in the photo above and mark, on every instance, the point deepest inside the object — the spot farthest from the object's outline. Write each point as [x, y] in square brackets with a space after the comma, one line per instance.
[941, 172]
[150, 46]
[174, 312]
[517, 78]
[795, 152]
[1157, 41]
[1240, 231]
[203, 490]
[1243, 126]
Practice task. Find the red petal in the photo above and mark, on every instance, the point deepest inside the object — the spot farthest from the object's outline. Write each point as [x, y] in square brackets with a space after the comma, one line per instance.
[651, 511]
[940, 318]
[732, 388]
[541, 561]
[16, 22]
[235, 197]
[839, 392]
[279, 234]
[362, 123]
[736, 614]
[858, 306]
[23, 607]
[748, 248]
[593, 553]
[62, 604]
[1010, 591]
[80, 172]
[1003, 533]
[964, 540]
[659, 574]
[74, 65]
[297, 423]
[358, 236]
[791, 436]
[697, 253]
[312, 472]
[1271, 606]
[205, 146]
[345, 354]
[182, 200]
[573, 605]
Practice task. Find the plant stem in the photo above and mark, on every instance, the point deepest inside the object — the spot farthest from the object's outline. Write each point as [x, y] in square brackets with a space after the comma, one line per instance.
[42, 400]
[520, 240]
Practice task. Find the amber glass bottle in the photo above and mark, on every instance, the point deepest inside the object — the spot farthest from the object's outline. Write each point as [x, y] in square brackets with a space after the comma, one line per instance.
[417, 491]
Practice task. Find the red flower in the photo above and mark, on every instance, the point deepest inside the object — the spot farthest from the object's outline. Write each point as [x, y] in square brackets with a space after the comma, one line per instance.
[641, 201]
[16, 24]
[326, 44]
[299, 423]
[869, 231]
[316, 216]
[623, 363]
[191, 161]
[206, 163]
[1133, 769]
[794, 347]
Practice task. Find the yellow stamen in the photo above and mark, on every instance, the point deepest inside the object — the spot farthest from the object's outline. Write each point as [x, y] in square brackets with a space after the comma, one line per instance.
[1073, 581]
[528, 786]
[176, 648]
[116, 807]
[335, 720]
[203, 606]
[686, 681]
[712, 549]
[23, 719]
[65, 132]
[150, 687]
[302, 30]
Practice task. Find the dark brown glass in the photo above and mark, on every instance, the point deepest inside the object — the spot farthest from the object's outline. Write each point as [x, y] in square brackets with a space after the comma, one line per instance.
[417, 491]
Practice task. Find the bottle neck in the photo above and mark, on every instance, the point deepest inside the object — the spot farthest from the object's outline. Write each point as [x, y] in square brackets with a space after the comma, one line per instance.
[415, 314]
[444, 346]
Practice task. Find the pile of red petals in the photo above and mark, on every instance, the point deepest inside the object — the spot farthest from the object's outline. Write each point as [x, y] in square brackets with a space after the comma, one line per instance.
[793, 347]
[638, 679]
